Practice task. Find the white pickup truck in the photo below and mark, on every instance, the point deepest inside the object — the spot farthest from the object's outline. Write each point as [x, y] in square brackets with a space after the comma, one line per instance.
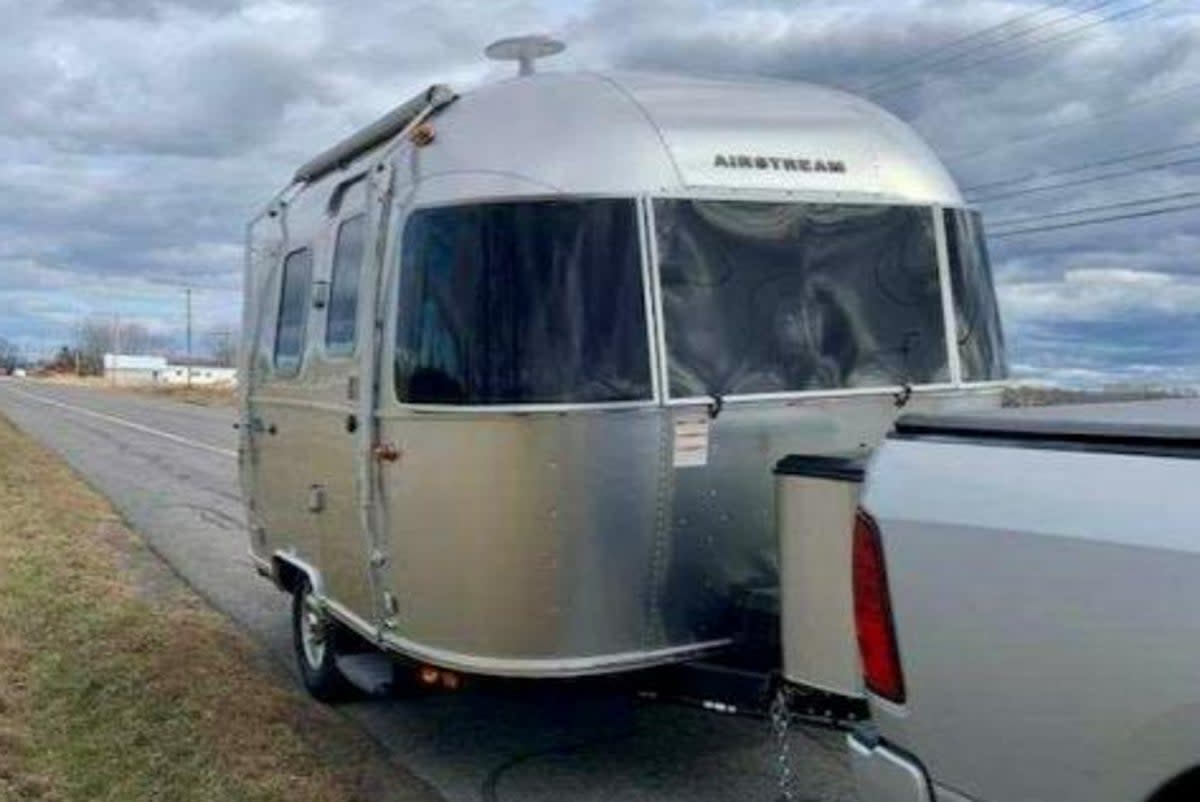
[1027, 596]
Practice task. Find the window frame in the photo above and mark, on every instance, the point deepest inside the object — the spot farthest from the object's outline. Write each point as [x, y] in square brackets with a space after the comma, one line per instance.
[657, 352]
[289, 370]
[951, 289]
[950, 336]
[342, 353]
[398, 239]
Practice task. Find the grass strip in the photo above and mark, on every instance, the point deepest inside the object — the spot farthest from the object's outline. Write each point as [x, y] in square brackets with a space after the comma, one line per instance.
[108, 692]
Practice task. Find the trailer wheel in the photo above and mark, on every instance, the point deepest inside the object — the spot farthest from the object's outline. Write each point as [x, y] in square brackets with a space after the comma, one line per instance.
[315, 637]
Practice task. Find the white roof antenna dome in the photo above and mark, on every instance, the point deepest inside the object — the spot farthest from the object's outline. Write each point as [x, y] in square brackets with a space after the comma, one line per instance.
[524, 50]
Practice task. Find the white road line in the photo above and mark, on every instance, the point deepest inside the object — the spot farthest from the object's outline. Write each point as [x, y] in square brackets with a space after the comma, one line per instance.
[224, 452]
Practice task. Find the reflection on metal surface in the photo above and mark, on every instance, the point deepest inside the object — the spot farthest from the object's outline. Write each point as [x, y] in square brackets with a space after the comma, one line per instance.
[544, 539]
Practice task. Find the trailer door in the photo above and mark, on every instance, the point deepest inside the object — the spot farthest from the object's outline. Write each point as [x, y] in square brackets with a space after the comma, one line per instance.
[343, 543]
[279, 425]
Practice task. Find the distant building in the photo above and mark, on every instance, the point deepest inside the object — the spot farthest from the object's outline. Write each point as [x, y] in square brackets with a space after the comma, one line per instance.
[130, 369]
[202, 374]
[133, 369]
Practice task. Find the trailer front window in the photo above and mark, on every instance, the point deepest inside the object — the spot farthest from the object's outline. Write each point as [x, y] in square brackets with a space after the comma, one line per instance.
[785, 297]
[520, 303]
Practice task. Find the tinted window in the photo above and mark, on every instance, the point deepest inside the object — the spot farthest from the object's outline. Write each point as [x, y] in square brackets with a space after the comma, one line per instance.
[343, 295]
[531, 302]
[980, 338]
[768, 297]
[293, 310]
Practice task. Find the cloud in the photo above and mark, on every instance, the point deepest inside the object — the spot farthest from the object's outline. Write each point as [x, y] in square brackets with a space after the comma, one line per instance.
[175, 82]
[137, 135]
[1102, 294]
[138, 9]
[1106, 325]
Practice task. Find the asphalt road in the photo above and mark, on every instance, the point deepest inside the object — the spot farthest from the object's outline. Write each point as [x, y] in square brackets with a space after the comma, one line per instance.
[170, 468]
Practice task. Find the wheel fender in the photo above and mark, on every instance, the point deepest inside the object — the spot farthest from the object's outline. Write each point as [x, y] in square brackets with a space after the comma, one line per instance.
[288, 569]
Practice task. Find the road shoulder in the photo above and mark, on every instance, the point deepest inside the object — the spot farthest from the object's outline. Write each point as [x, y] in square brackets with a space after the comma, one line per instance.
[120, 683]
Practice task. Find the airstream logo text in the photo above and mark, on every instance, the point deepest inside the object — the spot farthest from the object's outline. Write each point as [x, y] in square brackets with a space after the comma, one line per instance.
[746, 162]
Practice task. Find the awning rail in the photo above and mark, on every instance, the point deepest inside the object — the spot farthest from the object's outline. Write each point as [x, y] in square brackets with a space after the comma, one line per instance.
[386, 127]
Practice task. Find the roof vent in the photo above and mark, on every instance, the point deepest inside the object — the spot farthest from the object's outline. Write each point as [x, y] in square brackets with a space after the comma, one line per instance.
[524, 50]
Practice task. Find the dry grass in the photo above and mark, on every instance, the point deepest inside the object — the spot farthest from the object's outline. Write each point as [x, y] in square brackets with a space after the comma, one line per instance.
[201, 395]
[205, 396]
[1031, 395]
[107, 693]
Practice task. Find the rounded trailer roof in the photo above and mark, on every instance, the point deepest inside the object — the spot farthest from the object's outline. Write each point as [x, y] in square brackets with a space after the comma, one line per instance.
[634, 133]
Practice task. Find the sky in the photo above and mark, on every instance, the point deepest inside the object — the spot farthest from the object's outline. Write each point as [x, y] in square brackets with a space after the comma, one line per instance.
[137, 137]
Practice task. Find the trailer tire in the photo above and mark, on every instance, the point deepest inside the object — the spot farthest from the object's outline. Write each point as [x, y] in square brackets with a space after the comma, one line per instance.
[315, 636]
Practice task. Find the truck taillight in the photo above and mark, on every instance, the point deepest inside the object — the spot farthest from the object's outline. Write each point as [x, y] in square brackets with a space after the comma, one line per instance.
[873, 614]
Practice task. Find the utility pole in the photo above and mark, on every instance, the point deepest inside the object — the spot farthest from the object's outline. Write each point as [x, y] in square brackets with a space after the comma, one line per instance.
[188, 295]
[116, 347]
[224, 336]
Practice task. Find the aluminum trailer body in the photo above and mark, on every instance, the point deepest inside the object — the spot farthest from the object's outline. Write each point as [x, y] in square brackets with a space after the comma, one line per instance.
[533, 436]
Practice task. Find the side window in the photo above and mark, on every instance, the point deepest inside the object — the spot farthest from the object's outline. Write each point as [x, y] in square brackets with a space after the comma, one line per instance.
[980, 336]
[293, 311]
[340, 325]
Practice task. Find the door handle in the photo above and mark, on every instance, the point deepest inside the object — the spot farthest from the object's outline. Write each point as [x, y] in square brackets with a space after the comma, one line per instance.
[351, 423]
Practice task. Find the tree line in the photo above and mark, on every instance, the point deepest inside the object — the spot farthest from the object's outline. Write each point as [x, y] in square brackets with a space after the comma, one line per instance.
[94, 337]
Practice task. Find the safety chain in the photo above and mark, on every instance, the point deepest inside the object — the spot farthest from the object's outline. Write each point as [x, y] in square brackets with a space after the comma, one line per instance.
[780, 721]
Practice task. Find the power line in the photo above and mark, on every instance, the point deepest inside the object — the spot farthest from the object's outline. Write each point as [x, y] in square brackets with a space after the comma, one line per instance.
[1093, 221]
[872, 89]
[1090, 180]
[908, 64]
[1025, 179]
[1047, 130]
[1017, 221]
[1058, 37]
[1031, 45]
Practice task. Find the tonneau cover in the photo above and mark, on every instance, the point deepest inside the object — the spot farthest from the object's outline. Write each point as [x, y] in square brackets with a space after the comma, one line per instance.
[1170, 426]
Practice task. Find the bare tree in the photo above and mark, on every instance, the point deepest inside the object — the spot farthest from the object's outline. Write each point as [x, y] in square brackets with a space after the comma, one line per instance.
[64, 360]
[93, 339]
[136, 339]
[96, 337]
[10, 356]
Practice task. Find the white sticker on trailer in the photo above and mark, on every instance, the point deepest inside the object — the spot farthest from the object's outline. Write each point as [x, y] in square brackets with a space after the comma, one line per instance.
[691, 440]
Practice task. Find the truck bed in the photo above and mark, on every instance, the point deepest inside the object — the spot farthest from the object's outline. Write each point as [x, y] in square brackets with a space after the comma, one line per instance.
[1169, 427]
[1044, 574]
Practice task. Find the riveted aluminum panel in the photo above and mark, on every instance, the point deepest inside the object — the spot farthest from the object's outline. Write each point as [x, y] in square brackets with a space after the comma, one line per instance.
[548, 543]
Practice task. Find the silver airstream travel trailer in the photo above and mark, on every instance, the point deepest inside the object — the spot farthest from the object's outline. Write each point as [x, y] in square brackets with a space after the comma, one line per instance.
[520, 360]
